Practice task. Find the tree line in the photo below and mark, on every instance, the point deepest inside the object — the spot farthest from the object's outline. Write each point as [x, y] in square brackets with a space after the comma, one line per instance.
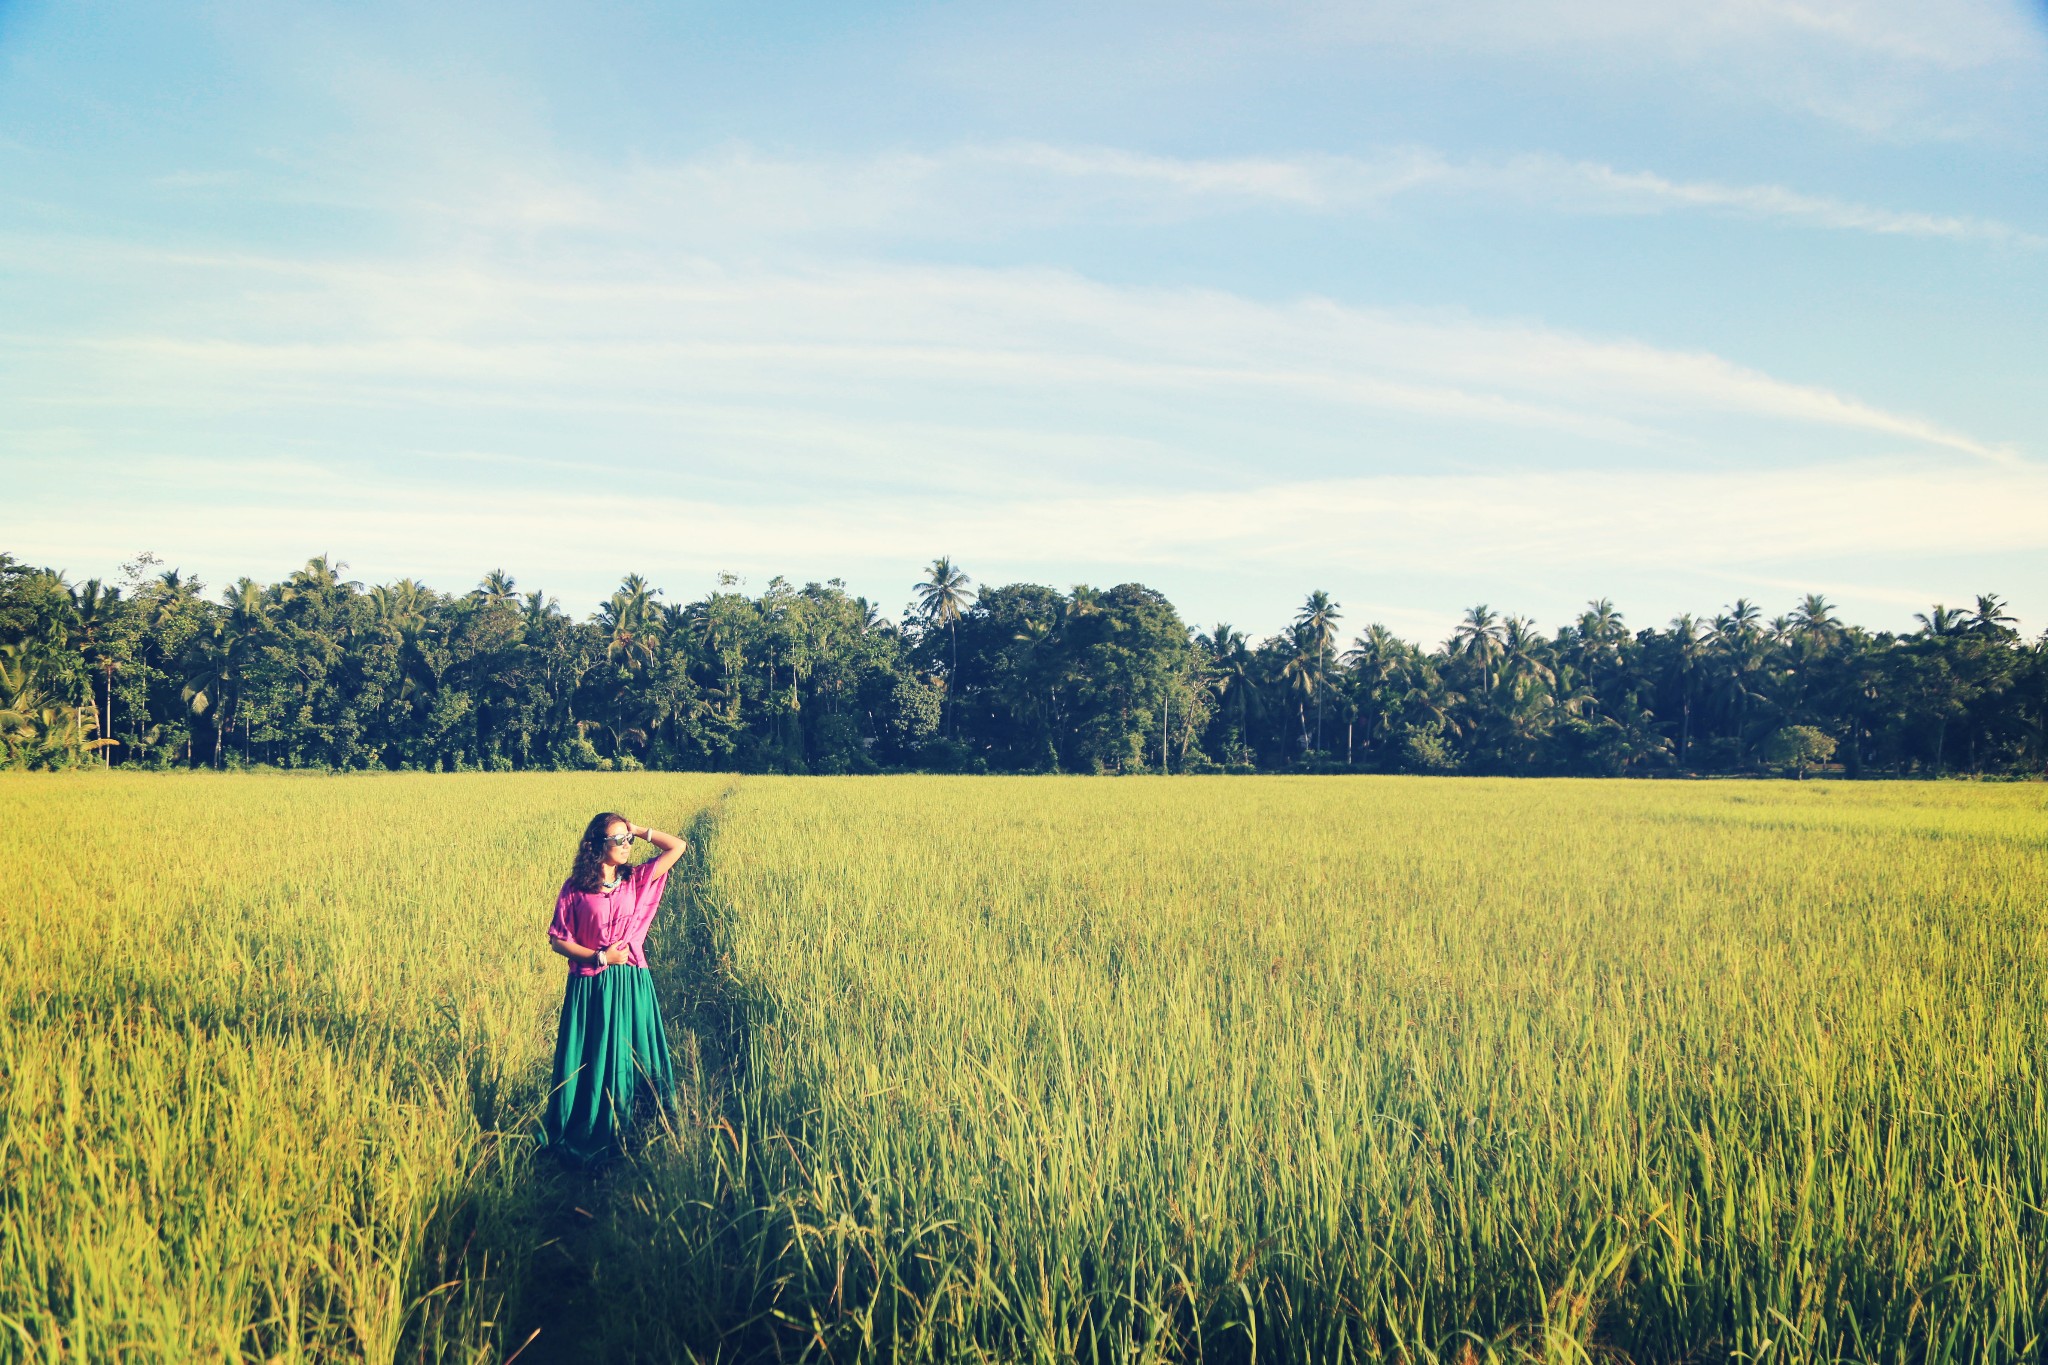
[317, 671]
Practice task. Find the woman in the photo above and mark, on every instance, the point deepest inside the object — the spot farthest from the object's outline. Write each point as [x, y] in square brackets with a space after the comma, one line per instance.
[611, 1045]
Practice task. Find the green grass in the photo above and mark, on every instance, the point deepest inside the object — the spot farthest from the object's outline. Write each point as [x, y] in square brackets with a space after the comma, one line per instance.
[1034, 1068]
[262, 1040]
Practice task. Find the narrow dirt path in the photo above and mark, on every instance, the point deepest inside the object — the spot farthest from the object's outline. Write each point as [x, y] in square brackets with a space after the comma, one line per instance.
[560, 1320]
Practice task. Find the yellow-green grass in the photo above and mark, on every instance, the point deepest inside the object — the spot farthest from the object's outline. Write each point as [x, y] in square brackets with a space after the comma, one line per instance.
[1335, 1068]
[263, 1038]
[1319, 1068]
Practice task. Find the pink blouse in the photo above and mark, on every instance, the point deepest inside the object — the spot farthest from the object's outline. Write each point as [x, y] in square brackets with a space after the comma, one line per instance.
[597, 919]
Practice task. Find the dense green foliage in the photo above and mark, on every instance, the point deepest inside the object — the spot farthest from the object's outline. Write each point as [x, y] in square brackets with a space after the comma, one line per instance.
[317, 672]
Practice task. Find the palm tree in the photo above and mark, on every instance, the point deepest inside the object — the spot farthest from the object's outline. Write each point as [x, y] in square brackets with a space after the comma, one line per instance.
[1814, 617]
[218, 659]
[1600, 624]
[1739, 641]
[630, 625]
[320, 576]
[943, 597]
[36, 730]
[1428, 704]
[1940, 621]
[1688, 647]
[1523, 651]
[401, 605]
[1316, 626]
[1303, 673]
[1991, 618]
[95, 617]
[497, 589]
[1479, 637]
[21, 701]
[1375, 660]
[1574, 694]
[1231, 657]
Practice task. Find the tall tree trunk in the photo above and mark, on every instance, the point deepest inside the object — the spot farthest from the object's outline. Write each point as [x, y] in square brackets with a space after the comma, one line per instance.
[1165, 729]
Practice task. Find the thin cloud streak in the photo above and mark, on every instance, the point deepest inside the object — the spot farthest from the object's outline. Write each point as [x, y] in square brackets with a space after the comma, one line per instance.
[1535, 521]
[559, 333]
[1742, 528]
[964, 189]
[1962, 35]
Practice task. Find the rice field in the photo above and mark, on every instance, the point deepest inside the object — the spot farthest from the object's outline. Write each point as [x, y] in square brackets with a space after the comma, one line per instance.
[267, 1046]
[1037, 1069]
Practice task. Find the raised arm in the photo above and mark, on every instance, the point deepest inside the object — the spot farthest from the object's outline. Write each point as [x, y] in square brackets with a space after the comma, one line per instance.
[672, 847]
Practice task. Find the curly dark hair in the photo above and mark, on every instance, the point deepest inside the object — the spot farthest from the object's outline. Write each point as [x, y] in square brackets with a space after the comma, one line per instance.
[588, 873]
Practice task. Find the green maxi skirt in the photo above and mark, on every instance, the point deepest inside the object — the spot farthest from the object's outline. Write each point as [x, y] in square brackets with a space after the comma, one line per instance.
[611, 1058]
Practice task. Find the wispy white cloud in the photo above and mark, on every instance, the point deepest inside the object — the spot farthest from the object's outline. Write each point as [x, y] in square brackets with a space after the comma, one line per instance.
[574, 335]
[1606, 189]
[1509, 528]
[970, 189]
[1959, 35]
[751, 332]
[1889, 68]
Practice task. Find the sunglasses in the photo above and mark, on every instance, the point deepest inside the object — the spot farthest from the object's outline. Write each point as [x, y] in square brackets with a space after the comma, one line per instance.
[617, 840]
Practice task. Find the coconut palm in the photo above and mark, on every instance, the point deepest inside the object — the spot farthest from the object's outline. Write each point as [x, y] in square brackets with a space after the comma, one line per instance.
[95, 622]
[1303, 674]
[1991, 618]
[1601, 626]
[251, 613]
[1428, 704]
[1316, 628]
[1376, 660]
[631, 624]
[536, 609]
[1742, 658]
[943, 598]
[403, 605]
[1478, 637]
[1688, 648]
[1940, 621]
[37, 730]
[319, 577]
[496, 590]
[1815, 619]
[1235, 669]
[1524, 652]
[22, 699]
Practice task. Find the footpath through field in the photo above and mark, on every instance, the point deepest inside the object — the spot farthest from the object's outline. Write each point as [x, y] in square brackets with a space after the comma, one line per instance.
[1191, 1068]
[1321, 1068]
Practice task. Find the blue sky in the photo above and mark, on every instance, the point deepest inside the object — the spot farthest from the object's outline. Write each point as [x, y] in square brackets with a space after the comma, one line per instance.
[1424, 305]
